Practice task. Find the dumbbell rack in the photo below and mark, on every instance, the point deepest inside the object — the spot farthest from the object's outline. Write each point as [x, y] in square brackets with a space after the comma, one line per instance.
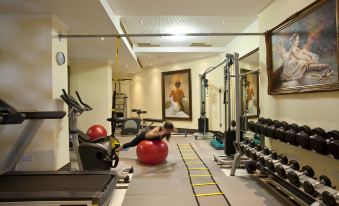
[322, 194]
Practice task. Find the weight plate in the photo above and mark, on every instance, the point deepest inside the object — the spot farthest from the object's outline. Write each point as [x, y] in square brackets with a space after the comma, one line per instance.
[325, 180]
[274, 155]
[308, 187]
[294, 165]
[266, 151]
[328, 199]
[281, 171]
[318, 144]
[333, 148]
[293, 178]
[270, 165]
[283, 159]
[308, 171]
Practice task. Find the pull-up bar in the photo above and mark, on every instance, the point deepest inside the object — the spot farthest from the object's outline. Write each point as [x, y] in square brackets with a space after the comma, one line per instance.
[61, 36]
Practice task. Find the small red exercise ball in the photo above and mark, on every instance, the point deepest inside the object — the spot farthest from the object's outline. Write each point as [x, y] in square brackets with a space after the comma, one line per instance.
[96, 131]
[152, 152]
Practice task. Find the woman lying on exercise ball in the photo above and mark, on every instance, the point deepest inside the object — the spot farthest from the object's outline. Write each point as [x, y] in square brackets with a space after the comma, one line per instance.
[158, 133]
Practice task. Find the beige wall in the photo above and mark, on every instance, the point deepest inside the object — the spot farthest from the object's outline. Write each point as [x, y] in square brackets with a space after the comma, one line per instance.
[313, 109]
[93, 80]
[27, 79]
[145, 91]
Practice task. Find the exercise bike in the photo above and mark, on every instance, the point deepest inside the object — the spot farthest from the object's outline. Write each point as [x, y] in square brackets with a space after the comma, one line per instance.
[92, 156]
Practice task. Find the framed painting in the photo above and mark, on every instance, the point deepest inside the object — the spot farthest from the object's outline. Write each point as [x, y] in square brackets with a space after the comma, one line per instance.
[176, 95]
[302, 51]
[250, 84]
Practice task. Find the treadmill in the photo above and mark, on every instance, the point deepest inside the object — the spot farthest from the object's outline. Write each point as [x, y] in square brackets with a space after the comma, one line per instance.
[52, 188]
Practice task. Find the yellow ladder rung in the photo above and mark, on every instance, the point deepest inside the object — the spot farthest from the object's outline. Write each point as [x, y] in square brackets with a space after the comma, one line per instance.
[200, 175]
[184, 144]
[191, 163]
[204, 184]
[201, 168]
[186, 151]
[209, 194]
[190, 158]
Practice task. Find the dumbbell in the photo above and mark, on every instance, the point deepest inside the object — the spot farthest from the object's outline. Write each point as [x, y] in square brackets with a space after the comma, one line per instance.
[291, 133]
[257, 125]
[272, 128]
[303, 137]
[282, 170]
[294, 176]
[318, 141]
[280, 132]
[250, 126]
[333, 144]
[310, 187]
[250, 166]
[264, 127]
[271, 164]
[266, 154]
[330, 199]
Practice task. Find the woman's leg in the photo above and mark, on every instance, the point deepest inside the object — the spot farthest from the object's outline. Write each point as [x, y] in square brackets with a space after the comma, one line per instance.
[135, 141]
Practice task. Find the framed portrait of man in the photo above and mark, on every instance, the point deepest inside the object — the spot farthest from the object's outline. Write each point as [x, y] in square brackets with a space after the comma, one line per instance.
[176, 95]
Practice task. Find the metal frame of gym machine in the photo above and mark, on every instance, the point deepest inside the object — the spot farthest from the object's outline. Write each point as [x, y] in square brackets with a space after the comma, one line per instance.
[224, 160]
[203, 88]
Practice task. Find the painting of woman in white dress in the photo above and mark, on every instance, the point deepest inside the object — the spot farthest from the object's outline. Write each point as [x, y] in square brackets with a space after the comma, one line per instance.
[305, 52]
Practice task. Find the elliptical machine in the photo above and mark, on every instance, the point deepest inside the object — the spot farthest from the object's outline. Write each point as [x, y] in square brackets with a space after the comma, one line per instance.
[91, 156]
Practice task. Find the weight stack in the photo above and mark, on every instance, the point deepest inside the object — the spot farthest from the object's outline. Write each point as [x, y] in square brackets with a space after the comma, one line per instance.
[229, 138]
[201, 125]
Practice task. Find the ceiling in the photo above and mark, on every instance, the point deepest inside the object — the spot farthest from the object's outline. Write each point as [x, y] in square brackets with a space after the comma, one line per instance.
[236, 8]
[145, 16]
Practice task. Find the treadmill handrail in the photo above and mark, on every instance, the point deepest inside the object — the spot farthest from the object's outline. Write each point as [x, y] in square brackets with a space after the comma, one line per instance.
[86, 106]
[71, 102]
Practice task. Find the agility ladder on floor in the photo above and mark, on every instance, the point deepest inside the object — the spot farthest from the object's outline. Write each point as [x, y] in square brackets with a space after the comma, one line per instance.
[191, 160]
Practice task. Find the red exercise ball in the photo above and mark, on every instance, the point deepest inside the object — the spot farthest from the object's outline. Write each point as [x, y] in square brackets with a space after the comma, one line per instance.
[152, 152]
[96, 131]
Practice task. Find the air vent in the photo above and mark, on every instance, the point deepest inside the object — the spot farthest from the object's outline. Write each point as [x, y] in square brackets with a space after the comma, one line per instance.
[200, 45]
[147, 45]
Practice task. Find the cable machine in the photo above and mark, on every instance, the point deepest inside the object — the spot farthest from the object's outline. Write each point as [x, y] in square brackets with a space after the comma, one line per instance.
[203, 120]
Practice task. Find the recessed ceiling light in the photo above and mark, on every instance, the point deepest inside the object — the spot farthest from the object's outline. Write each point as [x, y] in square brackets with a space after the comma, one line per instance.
[223, 22]
[102, 38]
[200, 56]
[208, 41]
[141, 21]
[126, 66]
[149, 57]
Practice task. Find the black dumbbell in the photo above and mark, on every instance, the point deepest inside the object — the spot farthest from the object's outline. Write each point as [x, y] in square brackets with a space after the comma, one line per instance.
[330, 199]
[303, 137]
[250, 126]
[271, 164]
[282, 170]
[273, 156]
[333, 144]
[263, 123]
[291, 133]
[265, 155]
[281, 131]
[272, 128]
[318, 141]
[294, 176]
[310, 188]
[250, 166]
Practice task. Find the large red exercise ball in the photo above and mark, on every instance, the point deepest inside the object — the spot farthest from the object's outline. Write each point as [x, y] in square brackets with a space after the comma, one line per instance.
[96, 131]
[152, 152]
